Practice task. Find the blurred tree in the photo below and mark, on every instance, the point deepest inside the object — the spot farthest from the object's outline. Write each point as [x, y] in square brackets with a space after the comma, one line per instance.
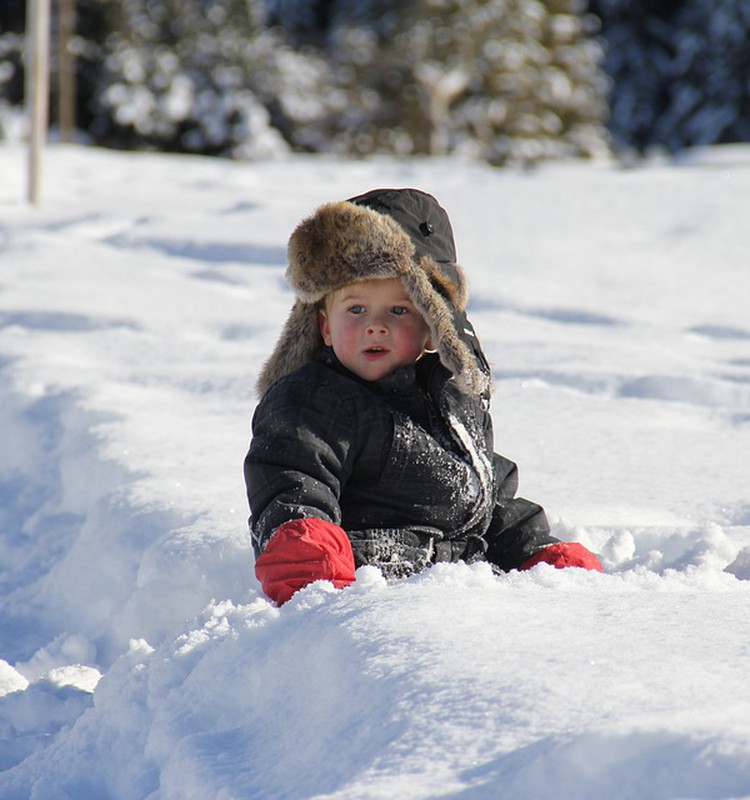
[639, 38]
[179, 75]
[680, 71]
[91, 21]
[709, 98]
[509, 81]
[306, 21]
[11, 68]
[13, 15]
[12, 24]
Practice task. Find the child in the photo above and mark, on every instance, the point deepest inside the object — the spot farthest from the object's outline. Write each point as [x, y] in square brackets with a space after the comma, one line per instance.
[372, 442]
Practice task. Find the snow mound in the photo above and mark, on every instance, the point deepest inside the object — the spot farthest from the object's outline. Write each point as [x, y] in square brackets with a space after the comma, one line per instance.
[140, 661]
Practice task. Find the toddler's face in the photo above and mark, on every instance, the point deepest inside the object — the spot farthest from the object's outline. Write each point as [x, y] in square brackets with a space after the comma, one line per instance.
[373, 327]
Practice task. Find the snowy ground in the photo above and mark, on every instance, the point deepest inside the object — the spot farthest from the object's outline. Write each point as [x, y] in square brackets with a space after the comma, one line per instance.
[140, 661]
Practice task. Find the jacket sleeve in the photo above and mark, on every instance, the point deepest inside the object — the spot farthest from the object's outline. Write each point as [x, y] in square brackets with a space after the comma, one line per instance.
[298, 458]
[519, 528]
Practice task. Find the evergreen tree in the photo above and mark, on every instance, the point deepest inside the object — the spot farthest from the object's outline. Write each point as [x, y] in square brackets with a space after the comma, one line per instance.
[305, 21]
[510, 81]
[11, 68]
[12, 17]
[680, 71]
[640, 45]
[195, 75]
[709, 101]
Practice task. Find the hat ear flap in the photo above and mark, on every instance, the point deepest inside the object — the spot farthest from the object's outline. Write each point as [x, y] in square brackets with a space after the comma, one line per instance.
[453, 351]
[300, 342]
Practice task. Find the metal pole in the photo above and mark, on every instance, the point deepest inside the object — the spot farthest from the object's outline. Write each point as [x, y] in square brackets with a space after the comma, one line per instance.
[37, 88]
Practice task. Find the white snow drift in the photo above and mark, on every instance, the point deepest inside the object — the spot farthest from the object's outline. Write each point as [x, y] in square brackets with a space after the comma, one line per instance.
[139, 659]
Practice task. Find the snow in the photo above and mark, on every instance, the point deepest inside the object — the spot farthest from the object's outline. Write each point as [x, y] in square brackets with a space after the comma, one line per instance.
[139, 659]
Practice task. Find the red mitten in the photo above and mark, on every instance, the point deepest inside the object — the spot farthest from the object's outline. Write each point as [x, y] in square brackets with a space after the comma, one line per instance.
[302, 551]
[564, 554]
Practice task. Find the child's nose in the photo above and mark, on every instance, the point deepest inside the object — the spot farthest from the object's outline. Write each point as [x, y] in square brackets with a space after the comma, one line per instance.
[377, 325]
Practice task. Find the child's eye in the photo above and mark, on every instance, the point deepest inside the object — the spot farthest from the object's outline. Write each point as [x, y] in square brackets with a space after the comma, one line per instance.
[356, 309]
[399, 311]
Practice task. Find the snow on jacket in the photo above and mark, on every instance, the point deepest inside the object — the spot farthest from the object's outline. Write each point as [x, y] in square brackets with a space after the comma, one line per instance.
[404, 464]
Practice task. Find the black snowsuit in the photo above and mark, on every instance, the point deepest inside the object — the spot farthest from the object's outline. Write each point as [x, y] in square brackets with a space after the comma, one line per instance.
[405, 465]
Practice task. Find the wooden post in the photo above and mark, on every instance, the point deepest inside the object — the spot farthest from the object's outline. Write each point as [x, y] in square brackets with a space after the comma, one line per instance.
[66, 75]
[37, 88]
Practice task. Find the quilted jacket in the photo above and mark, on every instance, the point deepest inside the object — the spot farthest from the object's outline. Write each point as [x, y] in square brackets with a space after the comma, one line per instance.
[404, 464]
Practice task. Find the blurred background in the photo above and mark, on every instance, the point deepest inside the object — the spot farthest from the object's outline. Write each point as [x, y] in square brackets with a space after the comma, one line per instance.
[503, 81]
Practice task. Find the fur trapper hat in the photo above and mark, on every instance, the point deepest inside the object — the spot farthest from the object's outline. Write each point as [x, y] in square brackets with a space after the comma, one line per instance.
[386, 233]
